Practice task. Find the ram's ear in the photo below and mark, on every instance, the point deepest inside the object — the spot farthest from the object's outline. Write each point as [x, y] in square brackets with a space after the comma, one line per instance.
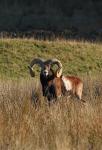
[49, 66]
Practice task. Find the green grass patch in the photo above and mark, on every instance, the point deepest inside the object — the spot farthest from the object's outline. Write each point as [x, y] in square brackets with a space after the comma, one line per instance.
[76, 57]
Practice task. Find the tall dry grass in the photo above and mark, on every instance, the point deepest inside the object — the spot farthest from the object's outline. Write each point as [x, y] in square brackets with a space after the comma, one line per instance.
[67, 124]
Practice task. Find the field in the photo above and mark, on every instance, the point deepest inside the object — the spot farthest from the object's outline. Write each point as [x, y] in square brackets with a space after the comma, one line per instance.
[67, 124]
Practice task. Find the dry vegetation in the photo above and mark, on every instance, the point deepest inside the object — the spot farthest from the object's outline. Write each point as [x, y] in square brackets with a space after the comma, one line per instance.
[66, 125]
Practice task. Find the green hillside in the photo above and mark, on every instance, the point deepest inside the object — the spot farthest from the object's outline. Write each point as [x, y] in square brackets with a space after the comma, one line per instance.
[77, 57]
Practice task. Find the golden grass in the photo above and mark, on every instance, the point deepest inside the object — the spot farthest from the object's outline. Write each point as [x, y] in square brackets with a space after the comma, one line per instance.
[65, 125]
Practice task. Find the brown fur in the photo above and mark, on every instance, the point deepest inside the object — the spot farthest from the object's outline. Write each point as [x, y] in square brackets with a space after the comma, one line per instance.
[77, 86]
[58, 85]
[59, 88]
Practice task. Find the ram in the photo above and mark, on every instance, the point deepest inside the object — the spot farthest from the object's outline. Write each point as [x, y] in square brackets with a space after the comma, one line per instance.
[54, 84]
[47, 75]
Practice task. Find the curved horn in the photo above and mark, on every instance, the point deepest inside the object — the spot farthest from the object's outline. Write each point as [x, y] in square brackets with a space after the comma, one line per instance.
[58, 63]
[59, 72]
[38, 61]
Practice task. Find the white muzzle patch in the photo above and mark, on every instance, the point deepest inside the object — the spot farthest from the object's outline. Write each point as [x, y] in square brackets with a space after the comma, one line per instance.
[45, 72]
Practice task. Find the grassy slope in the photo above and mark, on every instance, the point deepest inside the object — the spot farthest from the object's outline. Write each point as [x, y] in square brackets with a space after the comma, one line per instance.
[76, 57]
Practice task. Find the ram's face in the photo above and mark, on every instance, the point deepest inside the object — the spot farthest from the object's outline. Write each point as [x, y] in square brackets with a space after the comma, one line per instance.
[46, 70]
